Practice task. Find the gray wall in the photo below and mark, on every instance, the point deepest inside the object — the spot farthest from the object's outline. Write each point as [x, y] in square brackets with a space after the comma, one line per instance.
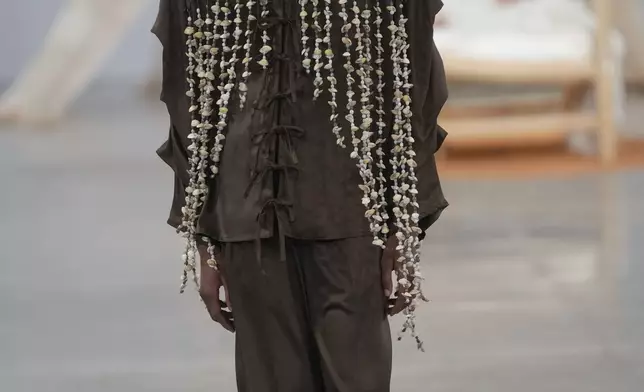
[24, 23]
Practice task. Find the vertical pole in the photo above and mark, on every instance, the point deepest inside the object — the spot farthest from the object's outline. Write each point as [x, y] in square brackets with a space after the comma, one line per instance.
[605, 88]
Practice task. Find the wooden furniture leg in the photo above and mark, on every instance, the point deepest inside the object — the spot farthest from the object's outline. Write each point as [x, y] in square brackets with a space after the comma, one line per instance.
[605, 82]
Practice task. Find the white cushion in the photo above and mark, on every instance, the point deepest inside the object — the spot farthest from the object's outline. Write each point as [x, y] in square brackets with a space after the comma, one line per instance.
[528, 30]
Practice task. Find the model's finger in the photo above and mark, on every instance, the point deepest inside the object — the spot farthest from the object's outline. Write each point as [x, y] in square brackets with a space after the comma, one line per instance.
[399, 305]
[230, 319]
[224, 306]
[226, 293]
[225, 319]
[220, 316]
[387, 283]
[387, 267]
[214, 306]
[228, 314]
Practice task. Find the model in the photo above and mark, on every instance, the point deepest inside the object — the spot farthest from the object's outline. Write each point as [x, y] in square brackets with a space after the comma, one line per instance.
[302, 139]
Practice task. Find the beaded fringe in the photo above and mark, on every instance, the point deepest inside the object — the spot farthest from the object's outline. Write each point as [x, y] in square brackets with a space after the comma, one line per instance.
[220, 41]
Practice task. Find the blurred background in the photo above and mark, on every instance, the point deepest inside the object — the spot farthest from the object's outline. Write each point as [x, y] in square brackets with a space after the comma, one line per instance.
[534, 271]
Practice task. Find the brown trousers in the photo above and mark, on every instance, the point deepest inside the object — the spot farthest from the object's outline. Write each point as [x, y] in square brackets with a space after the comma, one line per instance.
[313, 323]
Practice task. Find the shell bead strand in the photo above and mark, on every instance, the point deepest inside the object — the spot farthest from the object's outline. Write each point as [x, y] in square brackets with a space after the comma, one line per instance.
[368, 162]
[330, 56]
[380, 124]
[304, 26]
[248, 47]
[225, 87]
[191, 192]
[318, 61]
[266, 47]
[350, 70]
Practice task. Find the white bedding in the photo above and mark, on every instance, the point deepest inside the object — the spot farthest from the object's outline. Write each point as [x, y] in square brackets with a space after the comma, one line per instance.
[525, 30]
[573, 46]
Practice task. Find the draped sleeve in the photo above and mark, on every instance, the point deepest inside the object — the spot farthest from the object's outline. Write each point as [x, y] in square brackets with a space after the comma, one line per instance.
[168, 28]
[430, 94]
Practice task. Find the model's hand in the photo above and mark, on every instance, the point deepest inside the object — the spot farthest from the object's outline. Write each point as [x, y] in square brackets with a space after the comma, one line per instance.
[396, 303]
[210, 285]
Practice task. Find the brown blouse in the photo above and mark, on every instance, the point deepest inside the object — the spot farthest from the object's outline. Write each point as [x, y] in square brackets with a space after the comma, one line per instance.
[281, 168]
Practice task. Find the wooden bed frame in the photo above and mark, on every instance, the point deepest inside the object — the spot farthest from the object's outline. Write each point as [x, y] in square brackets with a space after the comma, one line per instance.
[540, 120]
